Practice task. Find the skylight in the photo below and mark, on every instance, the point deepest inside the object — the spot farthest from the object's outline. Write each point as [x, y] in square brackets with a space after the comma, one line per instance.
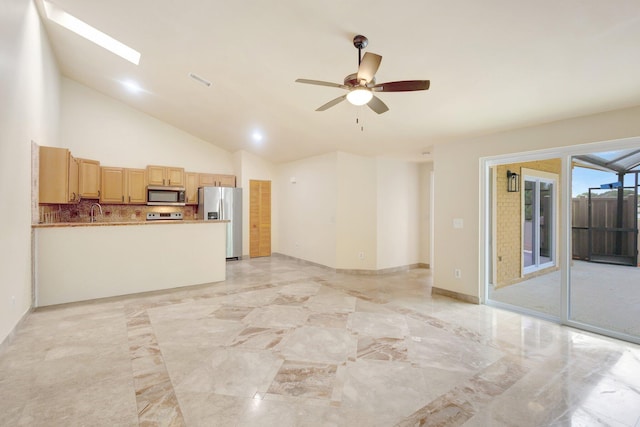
[90, 33]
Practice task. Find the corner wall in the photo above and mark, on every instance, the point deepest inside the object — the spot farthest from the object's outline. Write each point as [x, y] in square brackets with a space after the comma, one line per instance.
[249, 167]
[352, 212]
[307, 202]
[29, 111]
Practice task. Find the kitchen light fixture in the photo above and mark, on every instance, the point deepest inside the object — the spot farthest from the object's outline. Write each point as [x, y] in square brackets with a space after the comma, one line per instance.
[70, 22]
[513, 182]
[359, 96]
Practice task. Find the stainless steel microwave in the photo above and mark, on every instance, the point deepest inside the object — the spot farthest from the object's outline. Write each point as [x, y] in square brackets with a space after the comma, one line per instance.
[165, 196]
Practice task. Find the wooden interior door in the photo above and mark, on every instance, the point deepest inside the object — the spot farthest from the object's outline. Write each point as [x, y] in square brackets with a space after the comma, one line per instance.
[259, 218]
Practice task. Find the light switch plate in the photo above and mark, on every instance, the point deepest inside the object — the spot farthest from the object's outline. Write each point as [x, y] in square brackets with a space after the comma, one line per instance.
[458, 223]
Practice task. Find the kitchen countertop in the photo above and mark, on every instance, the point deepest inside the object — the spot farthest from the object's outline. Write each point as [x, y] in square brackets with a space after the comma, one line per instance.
[98, 223]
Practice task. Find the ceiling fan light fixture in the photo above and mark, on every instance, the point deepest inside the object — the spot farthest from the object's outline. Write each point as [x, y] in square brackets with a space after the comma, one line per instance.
[359, 96]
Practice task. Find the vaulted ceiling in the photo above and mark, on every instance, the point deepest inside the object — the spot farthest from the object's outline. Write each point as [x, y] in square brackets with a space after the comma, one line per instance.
[493, 65]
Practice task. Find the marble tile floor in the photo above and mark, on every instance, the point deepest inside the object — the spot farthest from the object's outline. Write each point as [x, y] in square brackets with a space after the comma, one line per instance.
[283, 343]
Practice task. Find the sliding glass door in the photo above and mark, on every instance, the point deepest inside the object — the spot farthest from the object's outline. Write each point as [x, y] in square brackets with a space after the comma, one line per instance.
[563, 244]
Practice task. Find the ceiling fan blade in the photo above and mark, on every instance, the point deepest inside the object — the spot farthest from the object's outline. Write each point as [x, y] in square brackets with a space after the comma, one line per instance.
[402, 86]
[377, 105]
[321, 83]
[331, 103]
[368, 66]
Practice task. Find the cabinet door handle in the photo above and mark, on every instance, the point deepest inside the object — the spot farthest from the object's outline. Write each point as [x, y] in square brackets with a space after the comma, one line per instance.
[122, 199]
[129, 199]
[98, 194]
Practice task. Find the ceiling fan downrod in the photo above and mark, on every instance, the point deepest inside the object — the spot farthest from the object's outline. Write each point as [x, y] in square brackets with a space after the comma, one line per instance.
[360, 42]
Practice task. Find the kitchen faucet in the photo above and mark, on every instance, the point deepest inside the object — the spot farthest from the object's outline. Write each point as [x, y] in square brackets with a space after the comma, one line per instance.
[91, 214]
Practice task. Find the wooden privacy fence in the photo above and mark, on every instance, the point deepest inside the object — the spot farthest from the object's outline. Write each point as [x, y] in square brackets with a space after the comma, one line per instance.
[608, 242]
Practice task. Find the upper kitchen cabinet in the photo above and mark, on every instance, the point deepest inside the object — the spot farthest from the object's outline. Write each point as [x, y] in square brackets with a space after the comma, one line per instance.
[123, 186]
[216, 180]
[226, 180]
[112, 188]
[191, 187]
[207, 180]
[89, 179]
[165, 175]
[136, 186]
[58, 176]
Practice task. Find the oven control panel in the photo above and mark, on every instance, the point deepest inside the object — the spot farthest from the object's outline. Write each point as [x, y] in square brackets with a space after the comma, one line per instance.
[154, 216]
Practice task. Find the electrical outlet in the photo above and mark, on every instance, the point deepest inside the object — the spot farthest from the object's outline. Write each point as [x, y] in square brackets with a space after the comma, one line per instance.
[13, 302]
[457, 273]
[361, 255]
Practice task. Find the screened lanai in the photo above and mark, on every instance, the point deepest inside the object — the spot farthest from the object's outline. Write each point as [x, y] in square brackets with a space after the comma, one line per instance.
[605, 223]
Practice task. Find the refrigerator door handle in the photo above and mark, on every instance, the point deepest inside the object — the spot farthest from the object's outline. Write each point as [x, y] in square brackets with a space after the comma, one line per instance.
[220, 212]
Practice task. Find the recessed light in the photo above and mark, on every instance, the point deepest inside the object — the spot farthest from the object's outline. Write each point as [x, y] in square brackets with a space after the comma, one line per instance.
[257, 136]
[132, 86]
[70, 22]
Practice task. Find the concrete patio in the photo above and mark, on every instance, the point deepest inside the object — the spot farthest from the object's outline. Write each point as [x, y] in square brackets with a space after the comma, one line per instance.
[603, 295]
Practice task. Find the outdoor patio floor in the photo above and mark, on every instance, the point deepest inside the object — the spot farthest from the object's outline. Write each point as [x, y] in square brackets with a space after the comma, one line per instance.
[602, 295]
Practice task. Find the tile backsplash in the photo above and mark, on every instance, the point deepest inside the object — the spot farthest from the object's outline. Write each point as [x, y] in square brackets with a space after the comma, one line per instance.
[80, 212]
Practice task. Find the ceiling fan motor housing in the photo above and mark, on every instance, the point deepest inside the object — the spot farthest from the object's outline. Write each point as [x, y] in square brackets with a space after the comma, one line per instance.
[352, 81]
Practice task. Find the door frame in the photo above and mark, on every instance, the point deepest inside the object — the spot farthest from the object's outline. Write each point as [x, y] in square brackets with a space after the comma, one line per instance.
[538, 177]
[564, 223]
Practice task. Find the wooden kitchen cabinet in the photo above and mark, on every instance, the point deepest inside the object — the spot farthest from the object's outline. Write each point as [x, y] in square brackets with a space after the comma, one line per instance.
[123, 186]
[136, 186]
[89, 179]
[191, 187]
[165, 175]
[216, 180]
[207, 180]
[58, 176]
[112, 185]
[226, 180]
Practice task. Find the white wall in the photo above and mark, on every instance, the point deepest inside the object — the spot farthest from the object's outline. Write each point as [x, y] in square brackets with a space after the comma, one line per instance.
[307, 209]
[343, 204]
[457, 186]
[249, 167]
[98, 127]
[29, 97]
[398, 206]
[356, 213]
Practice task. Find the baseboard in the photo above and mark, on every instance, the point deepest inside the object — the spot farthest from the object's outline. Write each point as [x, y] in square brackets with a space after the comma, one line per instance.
[11, 335]
[455, 295]
[354, 271]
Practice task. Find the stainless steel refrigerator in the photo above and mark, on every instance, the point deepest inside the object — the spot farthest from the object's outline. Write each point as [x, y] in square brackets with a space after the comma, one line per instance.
[224, 203]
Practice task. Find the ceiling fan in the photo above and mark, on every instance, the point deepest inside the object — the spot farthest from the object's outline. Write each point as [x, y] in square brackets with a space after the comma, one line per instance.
[362, 85]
